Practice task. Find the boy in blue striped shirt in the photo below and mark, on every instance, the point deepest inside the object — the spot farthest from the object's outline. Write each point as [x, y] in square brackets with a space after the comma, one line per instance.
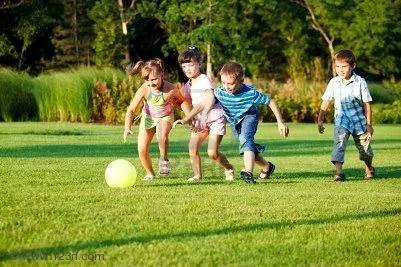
[239, 102]
[353, 114]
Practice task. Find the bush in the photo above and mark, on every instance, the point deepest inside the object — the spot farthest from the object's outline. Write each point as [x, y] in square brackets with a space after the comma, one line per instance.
[17, 103]
[66, 96]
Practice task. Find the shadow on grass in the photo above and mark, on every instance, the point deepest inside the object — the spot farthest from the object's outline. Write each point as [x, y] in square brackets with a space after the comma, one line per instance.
[275, 148]
[352, 174]
[29, 254]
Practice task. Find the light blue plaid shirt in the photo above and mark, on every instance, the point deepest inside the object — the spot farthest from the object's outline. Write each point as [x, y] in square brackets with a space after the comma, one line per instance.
[349, 97]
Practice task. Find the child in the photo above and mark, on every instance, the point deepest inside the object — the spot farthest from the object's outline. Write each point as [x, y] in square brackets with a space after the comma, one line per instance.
[239, 102]
[210, 122]
[353, 113]
[157, 114]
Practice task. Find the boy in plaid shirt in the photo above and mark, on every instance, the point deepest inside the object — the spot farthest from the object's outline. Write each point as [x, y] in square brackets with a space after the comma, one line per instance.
[353, 114]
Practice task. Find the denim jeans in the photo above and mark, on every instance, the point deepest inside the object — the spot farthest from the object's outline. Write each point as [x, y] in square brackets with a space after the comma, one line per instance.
[362, 143]
[246, 130]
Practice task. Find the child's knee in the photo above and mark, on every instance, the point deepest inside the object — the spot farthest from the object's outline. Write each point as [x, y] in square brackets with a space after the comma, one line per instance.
[193, 153]
[213, 154]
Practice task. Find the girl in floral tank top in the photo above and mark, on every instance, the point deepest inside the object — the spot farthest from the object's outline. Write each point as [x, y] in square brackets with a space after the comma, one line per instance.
[157, 115]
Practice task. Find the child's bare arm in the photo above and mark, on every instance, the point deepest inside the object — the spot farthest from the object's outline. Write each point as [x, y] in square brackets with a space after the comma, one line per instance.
[322, 113]
[139, 95]
[180, 101]
[367, 107]
[283, 129]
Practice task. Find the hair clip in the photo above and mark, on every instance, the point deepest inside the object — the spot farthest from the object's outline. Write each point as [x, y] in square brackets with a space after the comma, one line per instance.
[192, 48]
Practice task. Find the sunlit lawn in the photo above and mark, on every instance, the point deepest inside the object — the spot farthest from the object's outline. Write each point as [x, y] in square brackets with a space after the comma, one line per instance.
[56, 207]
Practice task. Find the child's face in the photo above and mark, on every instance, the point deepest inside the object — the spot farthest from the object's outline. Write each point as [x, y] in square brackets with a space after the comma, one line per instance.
[154, 80]
[343, 69]
[230, 83]
[191, 69]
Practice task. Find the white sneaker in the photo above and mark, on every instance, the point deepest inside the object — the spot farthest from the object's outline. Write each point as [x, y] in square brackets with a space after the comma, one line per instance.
[194, 179]
[164, 167]
[229, 175]
[149, 177]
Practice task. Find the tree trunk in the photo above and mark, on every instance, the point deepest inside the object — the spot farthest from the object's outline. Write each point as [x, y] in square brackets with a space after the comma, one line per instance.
[21, 57]
[124, 29]
[209, 71]
[329, 39]
[75, 32]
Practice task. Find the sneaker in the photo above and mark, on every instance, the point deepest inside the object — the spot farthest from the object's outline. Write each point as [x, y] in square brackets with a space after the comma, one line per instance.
[229, 175]
[164, 167]
[149, 177]
[194, 179]
[247, 177]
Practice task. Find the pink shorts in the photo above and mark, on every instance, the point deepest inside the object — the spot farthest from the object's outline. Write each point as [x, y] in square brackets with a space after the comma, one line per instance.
[215, 123]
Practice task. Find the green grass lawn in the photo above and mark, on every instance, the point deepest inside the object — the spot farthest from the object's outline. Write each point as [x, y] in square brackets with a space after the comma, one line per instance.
[57, 209]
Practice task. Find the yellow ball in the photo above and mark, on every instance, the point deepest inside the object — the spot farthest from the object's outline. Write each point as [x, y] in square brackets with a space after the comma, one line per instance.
[120, 173]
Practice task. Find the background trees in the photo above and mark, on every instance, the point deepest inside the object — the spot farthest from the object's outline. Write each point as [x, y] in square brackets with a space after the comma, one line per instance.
[272, 39]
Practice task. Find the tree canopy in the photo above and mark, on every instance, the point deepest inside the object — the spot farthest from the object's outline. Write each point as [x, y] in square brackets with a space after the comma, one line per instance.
[272, 39]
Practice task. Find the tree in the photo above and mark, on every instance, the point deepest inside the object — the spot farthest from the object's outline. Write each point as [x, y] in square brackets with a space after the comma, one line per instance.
[108, 44]
[73, 35]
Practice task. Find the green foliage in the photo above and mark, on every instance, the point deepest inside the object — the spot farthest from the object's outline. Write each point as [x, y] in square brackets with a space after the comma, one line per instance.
[108, 44]
[298, 103]
[110, 105]
[73, 36]
[6, 47]
[55, 202]
[17, 102]
[389, 113]
[66, 96]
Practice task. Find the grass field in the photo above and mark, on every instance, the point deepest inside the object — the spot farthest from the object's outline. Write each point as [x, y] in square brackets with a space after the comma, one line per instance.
[57, 209]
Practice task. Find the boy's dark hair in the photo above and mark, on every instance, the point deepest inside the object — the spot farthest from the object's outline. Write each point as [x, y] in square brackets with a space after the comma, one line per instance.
[145, 68]
[233, 69]
[346, 56]
[189, 55]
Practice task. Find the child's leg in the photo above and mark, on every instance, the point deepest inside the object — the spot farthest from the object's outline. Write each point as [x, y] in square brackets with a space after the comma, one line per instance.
[214, 153]
[249, 161]
[162, 131]
[341, 136]
[144, 140]
[195, 142]
[362, 143]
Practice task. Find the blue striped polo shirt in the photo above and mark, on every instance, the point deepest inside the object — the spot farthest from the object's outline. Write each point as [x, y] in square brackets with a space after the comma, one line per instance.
[237, 104]
[349, 97]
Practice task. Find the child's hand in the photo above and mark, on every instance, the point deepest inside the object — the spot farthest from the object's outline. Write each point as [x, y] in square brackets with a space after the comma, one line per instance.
[369, 129]
[127, 132]
[320, 127]
[283, 129]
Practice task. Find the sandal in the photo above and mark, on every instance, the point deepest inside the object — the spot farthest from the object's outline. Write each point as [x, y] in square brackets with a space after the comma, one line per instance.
[370, 174]
[264, 175]
[339, 177]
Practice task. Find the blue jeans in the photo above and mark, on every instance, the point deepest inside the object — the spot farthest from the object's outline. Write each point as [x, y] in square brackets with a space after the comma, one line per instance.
[341, 136]
[246, 130]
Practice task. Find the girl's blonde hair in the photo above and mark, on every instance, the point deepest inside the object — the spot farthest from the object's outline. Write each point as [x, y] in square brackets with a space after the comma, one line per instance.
[155, 65]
